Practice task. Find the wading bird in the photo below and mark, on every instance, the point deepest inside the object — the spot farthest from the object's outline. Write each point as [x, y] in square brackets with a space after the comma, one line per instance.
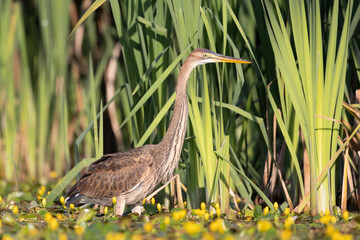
[132, 175]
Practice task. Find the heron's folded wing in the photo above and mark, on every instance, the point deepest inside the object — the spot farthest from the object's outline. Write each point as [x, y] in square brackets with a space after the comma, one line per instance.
[115, 174]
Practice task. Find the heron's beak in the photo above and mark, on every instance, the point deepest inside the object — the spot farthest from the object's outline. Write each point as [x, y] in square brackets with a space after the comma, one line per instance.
[221, 58]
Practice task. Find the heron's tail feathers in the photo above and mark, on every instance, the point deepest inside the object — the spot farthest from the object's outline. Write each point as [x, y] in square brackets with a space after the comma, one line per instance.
[73, 197]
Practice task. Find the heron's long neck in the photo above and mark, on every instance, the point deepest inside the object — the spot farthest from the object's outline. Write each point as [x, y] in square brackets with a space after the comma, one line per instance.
[172, 142]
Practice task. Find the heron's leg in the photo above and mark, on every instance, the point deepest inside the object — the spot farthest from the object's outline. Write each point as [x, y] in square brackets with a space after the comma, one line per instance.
[120, 206]
[102, 209]
[172, 191]
[161, 188]
[138, 209]
[178, 190]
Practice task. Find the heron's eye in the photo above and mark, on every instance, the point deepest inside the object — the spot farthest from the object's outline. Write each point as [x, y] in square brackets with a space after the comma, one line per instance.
[205, 55]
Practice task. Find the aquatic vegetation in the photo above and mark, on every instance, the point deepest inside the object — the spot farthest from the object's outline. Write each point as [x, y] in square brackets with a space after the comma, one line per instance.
[39, 219]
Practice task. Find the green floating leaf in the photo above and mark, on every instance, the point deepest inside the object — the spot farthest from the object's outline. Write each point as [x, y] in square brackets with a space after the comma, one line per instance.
[176, 209]
[110, 227]
[85, 215]
[258, 211]
[249, 213]
[356, 218]
[29, 216]
[98, 230]
[94, 231]
[34, 204]
[150, 209]
[19, 196]
[8, 219]
[232, 215]
[42, 212]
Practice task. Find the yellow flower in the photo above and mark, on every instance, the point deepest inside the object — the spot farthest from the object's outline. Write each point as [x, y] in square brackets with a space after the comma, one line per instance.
[166, 220]
[327, 212]
[115, 236]
[345, 215]
[289, 221]
[218, 225]
[287, 211]
[347, 237]
[53, 174]
[153, 201]
[217, 205]
[179, 215]
[158, 206]
[0, 199]
[263, 225]
[325, 219]
[192, 228]
[63, 236]
[79, 230]
[15, 209]
[136, 237]
[211, 214]
[199, 212]
[106, 210]
[62, 200]
[214, 226]
[72, 206]
[114, 200]
[276, 206]
[185, 204]
[7, 237]
[221, 226]
[48, 193]
[48, 217]
[182, 213]
[336, 235]
[266, 210]
[207, 236]
[44, 202]
[285, 234]
[248, 219]
[333, 219]
[203, 205]
[53, 224]
[148, 227]
[41, 190]
[229, 237]
[206, 216]
[218, 212]
[144, 201]
[330, 229]
[60, 216]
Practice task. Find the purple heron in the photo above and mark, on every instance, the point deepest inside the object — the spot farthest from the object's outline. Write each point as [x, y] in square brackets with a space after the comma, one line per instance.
[132, 175]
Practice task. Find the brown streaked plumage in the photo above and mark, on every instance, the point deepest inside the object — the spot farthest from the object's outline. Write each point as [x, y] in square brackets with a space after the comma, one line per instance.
[132, 175]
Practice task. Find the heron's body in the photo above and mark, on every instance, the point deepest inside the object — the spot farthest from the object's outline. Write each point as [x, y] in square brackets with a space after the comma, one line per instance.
[132, 175]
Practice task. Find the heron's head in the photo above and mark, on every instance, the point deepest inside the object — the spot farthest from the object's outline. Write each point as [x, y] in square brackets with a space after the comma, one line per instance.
[201, 56]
